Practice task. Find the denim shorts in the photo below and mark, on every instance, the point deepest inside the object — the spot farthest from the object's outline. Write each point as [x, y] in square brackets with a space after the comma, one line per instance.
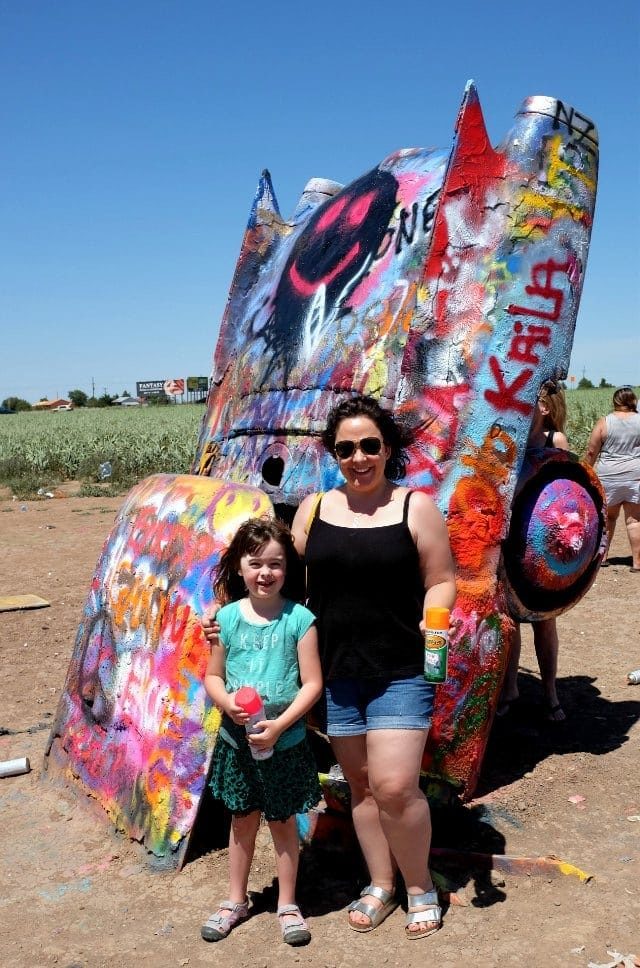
[355, 706]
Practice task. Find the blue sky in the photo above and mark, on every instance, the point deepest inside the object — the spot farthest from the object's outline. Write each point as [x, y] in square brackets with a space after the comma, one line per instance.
[134, 133]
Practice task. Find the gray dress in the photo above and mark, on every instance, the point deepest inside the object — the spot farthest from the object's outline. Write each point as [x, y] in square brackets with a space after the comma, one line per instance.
[618, 465]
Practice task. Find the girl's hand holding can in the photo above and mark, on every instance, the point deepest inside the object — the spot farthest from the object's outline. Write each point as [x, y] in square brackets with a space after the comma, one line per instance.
[266, 734]
[235, 712]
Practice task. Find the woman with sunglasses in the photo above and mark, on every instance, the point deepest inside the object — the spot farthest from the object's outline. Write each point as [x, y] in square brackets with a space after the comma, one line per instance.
[376, 553]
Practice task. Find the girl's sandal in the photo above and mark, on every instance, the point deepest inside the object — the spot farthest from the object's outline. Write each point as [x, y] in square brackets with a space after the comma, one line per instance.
[430, 915]
[376, 915]
[224, 919]
[294, 932]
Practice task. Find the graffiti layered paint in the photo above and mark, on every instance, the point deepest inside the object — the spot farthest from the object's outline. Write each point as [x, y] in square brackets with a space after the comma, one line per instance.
[133, 725]
[555, 535]
[319, 306]
[446, 284]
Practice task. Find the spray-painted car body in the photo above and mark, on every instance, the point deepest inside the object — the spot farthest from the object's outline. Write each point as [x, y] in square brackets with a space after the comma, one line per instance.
[446, 284]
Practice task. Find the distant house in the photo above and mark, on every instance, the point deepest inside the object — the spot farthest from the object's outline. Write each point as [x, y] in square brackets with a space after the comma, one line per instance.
[127, 402]
[59, 404]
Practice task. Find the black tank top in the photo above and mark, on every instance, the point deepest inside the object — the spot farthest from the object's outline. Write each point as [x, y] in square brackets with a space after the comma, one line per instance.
[367, 594]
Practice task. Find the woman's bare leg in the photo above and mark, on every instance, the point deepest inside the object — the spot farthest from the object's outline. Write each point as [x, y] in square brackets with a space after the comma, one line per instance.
[510, 686]
[351, 753]
[545, 640]
[613, 510]
[632, 521]
[394, 758]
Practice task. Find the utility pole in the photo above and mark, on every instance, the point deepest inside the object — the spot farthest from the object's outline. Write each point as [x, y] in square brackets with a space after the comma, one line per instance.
[93, 387]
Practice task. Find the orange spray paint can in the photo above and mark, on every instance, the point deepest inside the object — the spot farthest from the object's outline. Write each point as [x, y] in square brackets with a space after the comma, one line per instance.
[436, 643]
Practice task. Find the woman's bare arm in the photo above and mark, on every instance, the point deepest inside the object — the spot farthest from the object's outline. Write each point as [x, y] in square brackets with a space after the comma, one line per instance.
[596, 440]
[298, 528]
[430, 533]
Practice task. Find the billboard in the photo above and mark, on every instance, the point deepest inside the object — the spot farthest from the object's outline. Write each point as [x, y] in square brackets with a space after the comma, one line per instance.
[174, 388]
[149, 388]
[197, 384]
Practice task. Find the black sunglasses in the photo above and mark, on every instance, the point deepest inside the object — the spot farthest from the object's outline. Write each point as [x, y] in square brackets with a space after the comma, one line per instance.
[368, 445]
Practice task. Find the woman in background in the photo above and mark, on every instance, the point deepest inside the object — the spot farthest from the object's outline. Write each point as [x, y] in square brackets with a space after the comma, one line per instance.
[614, 451]
[547, 430]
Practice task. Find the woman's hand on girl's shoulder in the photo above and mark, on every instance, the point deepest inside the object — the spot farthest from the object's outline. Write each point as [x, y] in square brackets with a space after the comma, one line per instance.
[210, 626]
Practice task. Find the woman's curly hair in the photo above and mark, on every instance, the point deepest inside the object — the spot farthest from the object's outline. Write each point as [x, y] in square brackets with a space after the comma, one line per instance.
[395, 436]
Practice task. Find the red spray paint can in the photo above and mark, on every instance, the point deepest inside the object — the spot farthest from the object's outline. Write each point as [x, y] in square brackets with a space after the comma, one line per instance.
[249, 700]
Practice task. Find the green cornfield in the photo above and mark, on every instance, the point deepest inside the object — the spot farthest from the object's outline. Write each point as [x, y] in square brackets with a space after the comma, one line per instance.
[584, 407]
[39, 450]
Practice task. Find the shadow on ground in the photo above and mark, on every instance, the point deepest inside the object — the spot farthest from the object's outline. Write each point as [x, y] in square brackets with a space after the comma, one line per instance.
[329, 877]
[464, 838]
[624, 561]
[525, 736]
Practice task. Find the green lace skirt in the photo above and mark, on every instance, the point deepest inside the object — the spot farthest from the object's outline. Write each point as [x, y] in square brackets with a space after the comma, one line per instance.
[279, 787]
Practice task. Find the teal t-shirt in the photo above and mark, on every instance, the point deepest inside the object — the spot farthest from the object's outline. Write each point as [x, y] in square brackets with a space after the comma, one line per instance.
[265, 657]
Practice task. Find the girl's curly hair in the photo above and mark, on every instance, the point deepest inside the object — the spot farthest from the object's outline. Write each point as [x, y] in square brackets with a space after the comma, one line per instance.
[250, 537]
[395, 436]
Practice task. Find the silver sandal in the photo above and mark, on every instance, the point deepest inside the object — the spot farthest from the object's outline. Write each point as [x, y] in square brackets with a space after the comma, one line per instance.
[297, 933]
[431, 916]
[376, 915]
[219, 924]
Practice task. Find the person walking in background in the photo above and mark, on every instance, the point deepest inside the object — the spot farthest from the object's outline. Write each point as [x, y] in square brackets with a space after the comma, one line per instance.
[614, 452]
[547, 430]
[269, 642]
[375, 554]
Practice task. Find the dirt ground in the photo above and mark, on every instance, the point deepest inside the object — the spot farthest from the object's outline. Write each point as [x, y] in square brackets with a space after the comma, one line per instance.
[76, 893]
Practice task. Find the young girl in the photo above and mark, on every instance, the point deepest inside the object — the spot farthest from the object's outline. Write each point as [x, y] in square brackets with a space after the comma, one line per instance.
[269, 642]
[547, 430]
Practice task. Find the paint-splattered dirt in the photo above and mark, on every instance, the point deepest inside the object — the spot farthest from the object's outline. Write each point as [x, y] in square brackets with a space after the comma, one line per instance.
[74, 893]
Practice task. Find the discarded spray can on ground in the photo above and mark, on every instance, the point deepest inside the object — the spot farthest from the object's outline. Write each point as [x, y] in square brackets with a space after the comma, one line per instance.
[634, 677]
[15, 767]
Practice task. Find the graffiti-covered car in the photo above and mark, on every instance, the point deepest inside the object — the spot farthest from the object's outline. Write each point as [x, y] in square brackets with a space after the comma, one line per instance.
[444, 283]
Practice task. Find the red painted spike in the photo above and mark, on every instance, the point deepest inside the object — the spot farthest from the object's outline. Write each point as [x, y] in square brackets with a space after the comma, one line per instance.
[473, 158]
[472, 163]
